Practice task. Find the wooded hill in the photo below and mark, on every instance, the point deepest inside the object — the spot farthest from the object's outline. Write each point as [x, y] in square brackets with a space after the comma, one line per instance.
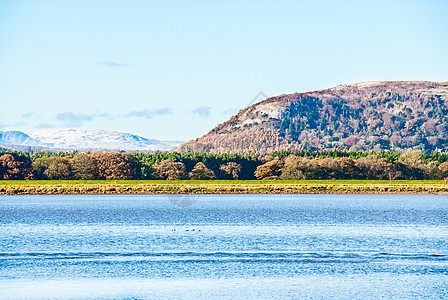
[371, 116]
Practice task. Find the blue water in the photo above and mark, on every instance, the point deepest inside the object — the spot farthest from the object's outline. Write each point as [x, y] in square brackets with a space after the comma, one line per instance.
[226, 247]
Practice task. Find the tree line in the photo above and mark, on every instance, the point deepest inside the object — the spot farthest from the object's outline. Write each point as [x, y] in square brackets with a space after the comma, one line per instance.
[285, 165]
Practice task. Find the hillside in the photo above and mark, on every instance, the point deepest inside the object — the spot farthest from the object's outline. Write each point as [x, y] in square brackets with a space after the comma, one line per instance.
[363, 116]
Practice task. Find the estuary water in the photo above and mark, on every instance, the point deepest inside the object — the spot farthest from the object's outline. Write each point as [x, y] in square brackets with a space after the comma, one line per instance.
[224, 246]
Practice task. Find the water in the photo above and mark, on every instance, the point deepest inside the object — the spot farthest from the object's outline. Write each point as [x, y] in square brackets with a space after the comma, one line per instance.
[225, 246]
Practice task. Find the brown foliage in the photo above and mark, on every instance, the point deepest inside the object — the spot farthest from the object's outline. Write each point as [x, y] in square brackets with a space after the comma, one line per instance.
[295, 168]
[84, 167]
[52, 167]
[372, 167]
[232, 169]
[443, 167]
[115, 166]
[201, 172]
[170, 170]
[12, 168]
[270, 170]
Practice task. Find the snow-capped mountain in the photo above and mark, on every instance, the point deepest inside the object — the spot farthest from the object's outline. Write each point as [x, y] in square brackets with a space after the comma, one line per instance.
[16, 138]
[84, 139]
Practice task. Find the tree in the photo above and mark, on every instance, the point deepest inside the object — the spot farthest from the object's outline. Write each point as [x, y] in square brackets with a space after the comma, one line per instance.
[392, 171]
[170, 170]
[295, 168]
[116, 166]
[59, 168]
[329, 168]
[84, 167]
[15, 167]
[443, 167]
[412, 165]
[433, 171]
[270, 170]
[372, 167]
[201, 172]
[348, 168]
[39, 166]
[231, 169]
[52, 167]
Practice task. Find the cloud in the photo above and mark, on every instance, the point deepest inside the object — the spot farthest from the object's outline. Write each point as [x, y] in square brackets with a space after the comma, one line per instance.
[202, 112]
[28, 115]
[13, 126]
[43, 126]
[150, 113]
[72, 119]
[113, 64]
[105, 115]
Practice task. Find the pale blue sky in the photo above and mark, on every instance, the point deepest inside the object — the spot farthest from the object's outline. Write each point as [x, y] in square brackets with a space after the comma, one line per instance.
[176, 69]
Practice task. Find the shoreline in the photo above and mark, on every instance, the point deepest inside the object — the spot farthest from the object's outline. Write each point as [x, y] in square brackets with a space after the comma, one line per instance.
[211, 188]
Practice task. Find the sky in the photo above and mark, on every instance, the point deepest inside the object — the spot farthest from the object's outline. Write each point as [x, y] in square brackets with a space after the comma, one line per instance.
[173, 70]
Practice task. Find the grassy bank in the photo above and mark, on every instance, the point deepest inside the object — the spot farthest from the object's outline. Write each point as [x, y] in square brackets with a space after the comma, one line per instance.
[56, 187]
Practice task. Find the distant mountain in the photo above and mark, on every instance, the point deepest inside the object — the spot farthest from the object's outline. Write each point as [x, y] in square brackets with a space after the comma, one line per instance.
[363, 116]
[16, 138]
[77, 139]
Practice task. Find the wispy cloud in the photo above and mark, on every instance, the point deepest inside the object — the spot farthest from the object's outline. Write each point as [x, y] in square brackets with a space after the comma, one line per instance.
[113, 64]
[43, 126]
[72, 119]
[150, 113]
[105, 116]
[202, 112]
[75, 120]
[28, 115]
[12, 126]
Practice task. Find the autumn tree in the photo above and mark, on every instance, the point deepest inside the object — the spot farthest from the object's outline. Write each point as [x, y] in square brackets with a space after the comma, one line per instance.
[52, 167]
[270, 170]
[15, 167]
[433, 171]
[393, 171]
[412, 165]
[347, 168]
[295, 168]
[116, 166]
[231, 169]
[84, 167]
[443, 167]
[373, 167]
[201, 172]
[170, 170]
[329, 168]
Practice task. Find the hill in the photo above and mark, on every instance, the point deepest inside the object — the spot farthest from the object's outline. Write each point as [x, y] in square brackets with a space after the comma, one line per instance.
[383, 115]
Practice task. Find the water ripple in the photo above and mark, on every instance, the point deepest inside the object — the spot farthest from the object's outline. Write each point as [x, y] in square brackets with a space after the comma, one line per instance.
[236, 256]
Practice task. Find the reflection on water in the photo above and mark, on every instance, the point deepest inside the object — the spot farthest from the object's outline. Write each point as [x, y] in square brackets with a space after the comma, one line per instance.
[233, 246]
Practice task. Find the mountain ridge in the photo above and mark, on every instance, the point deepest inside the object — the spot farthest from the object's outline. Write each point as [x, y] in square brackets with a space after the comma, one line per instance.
[79, 139]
